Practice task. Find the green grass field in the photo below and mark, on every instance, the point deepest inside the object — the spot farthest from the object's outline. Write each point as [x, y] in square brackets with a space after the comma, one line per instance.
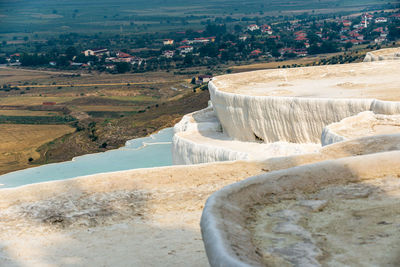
[126, 16]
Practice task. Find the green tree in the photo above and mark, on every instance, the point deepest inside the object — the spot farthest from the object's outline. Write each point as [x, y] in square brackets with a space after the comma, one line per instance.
[70, 52]
[348, 45]
[122, 67]
[188, 60]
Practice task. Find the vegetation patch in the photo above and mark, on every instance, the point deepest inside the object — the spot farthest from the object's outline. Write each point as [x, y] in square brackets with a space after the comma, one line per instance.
[36, 119]
[110, 114]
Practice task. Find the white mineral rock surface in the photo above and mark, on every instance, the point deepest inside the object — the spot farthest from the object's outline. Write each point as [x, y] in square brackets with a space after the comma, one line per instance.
[199, 138]
[364, 124]
[333, 212]
[338, 212]
[383, 54]
[294, 105]
[272, 113]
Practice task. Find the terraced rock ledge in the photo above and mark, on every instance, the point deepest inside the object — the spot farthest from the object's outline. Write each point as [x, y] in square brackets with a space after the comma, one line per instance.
[336, 212]
[338, 206]
[274, 113]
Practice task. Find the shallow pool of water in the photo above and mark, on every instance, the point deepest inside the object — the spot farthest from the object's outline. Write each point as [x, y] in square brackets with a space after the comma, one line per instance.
[152, 151]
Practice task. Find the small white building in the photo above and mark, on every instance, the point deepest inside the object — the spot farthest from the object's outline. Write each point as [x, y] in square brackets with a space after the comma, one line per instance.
[380, 39]
[185, 49]
[168, 42]
[381, 20]
[253, 27]
[169, 53]
[96, 52]
[201, 40]
[204, 78]
[266, 29]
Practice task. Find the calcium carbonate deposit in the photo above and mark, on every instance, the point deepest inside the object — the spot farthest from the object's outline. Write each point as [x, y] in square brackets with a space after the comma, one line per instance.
[383, 54]
[364, 124]
[199, 138]
[294, 105]
[341, 212]
[273, 113]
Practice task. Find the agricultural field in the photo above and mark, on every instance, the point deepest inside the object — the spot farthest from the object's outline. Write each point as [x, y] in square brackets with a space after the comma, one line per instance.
[48, 17]
[19, 143]
[70, 114]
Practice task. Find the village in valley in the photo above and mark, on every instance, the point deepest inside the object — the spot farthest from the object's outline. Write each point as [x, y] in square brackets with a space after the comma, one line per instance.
[222, 41]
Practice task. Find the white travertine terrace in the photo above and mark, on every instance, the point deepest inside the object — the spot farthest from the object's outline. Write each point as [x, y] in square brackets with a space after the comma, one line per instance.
[294, 105]
[332, 212]
[263, 114]
[383, 54]
[199, 138]
[363, 124]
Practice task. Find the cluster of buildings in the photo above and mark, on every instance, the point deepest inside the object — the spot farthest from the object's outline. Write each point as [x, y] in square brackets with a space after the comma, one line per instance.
[351, 31]
[13, 60]
[186, 46]
[124, 57]
[263, 28]
[110, 60]
[354, 32]
[291, 39]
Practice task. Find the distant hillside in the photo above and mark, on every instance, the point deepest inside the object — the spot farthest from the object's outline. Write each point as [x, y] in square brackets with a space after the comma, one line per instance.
[57, 16]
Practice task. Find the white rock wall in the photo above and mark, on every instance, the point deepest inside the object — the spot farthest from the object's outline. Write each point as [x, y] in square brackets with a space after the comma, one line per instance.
[199, 138]
[290, 119]
[383, 54]
[185, 151]
[188, 152]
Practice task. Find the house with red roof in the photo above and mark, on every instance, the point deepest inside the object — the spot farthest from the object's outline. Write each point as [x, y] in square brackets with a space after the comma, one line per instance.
[255, 52]
[301, 38]
[355, 41]
[185, 49]
[266, 29]
[123, 55]
[379, 29]
[346, 23]
[168, 42]
[201, 40]
[368, 16]
[396, 16]
[381, 20]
